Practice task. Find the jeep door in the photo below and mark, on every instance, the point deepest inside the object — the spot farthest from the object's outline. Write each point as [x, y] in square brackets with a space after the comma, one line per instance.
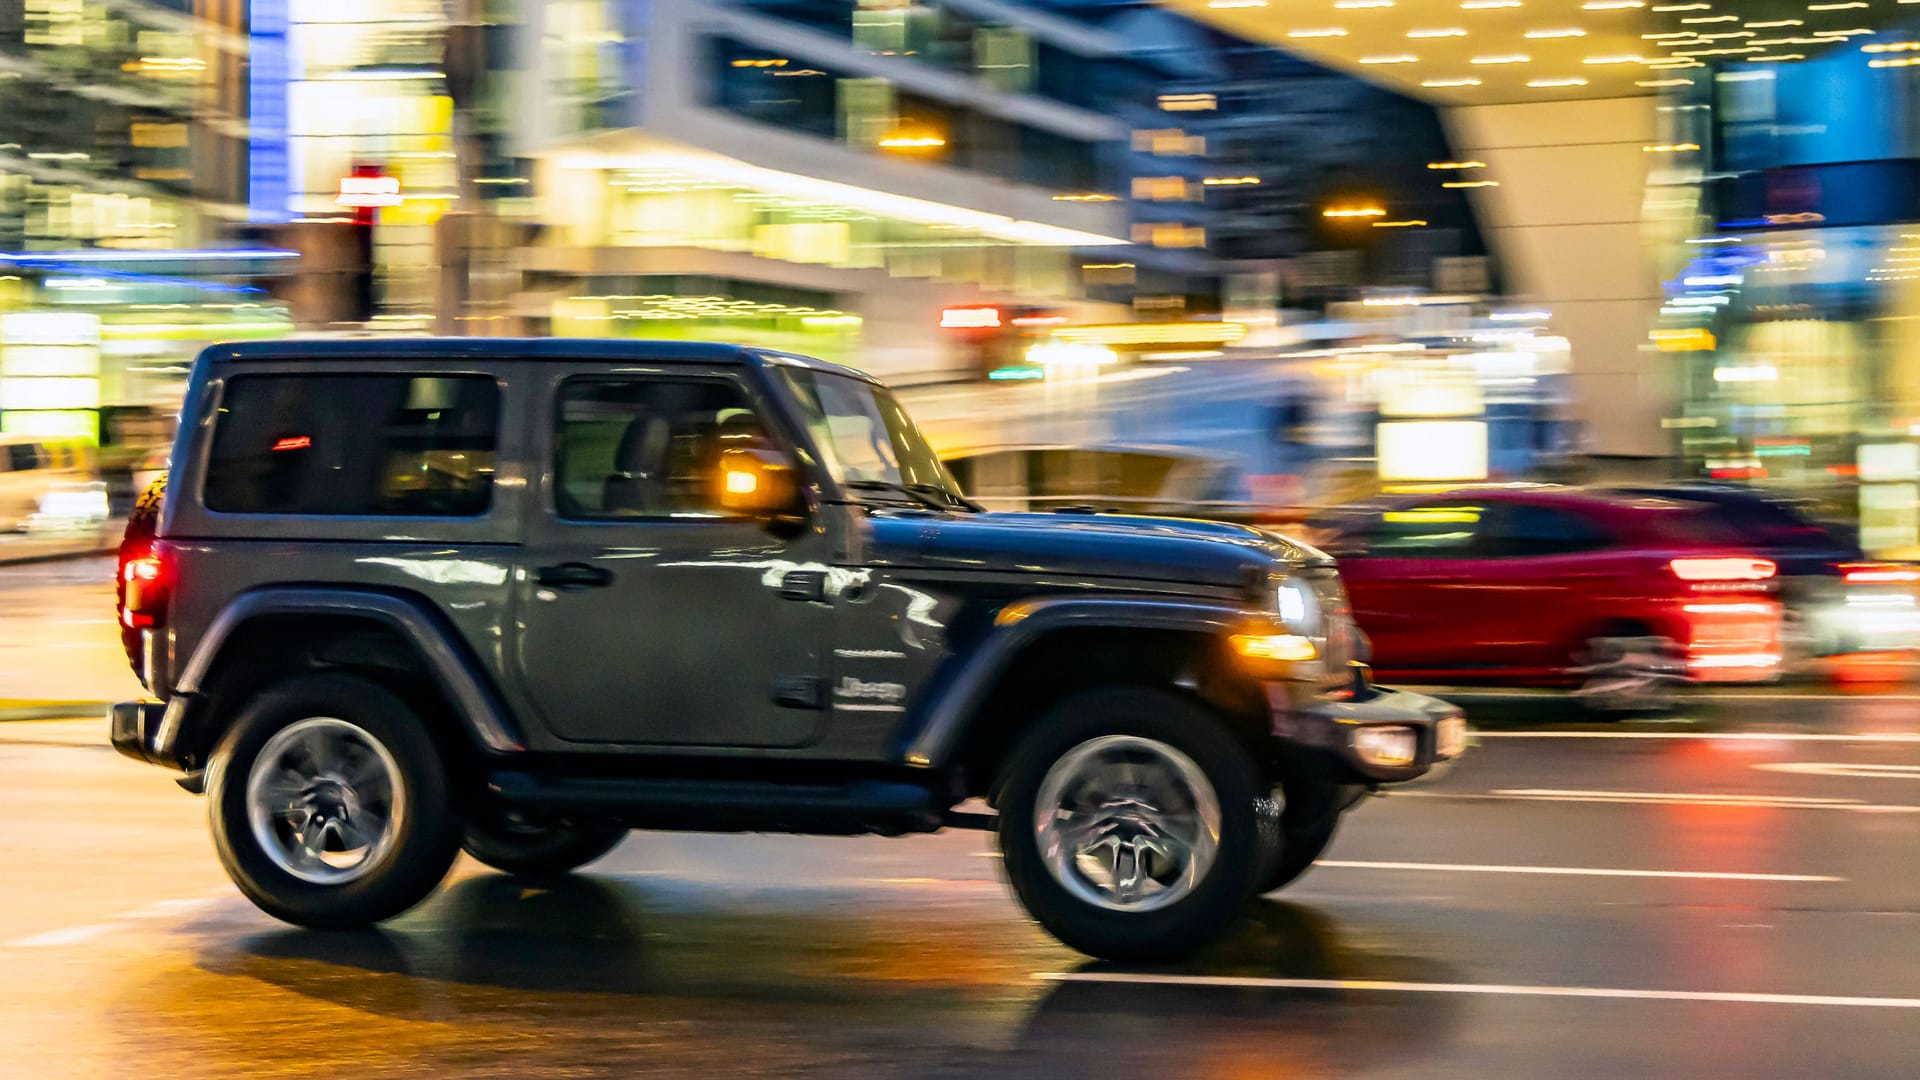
[646, 613]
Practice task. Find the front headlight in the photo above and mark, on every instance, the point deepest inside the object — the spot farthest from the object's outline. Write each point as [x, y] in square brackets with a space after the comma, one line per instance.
[1298, 608]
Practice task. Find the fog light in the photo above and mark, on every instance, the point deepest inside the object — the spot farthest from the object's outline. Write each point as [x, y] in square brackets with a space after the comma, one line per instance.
[1390, 745]
[1274, 647]
[1450, 738]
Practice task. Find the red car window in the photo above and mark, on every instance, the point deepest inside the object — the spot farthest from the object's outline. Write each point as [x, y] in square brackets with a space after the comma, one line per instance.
[1527, 530]
[1693, 525]
[1436, 530]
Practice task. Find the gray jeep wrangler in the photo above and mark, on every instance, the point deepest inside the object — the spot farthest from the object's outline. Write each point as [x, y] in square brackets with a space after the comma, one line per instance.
[409, 597]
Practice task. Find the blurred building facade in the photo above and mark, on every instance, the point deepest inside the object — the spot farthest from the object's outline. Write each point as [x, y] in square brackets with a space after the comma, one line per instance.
[1790, 293]
[840, 177]
[123, 158]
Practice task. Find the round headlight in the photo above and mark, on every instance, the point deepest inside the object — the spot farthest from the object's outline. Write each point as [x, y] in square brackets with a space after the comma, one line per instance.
[1298, 608]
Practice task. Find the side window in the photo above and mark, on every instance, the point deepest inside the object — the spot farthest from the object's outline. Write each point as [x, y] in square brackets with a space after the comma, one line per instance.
[381, 445]
[1520, 530]
[646, 448]
[1436, 530]
[22, 457]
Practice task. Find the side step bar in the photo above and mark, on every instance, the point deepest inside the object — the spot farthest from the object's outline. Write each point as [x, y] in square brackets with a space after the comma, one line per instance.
[860, 807]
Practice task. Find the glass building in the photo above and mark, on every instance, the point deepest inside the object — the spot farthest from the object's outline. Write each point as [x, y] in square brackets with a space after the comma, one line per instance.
[123, 173]
[1791, 300]
[831, 176]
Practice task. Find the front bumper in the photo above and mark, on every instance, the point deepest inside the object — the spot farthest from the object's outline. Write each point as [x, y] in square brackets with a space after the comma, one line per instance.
[1353, 729]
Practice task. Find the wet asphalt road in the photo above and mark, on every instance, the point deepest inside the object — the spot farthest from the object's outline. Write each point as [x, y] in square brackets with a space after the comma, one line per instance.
[1788, 869]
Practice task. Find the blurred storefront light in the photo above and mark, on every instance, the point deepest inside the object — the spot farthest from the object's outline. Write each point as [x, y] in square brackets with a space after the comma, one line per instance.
[1125, 334]
[970, 318]
[1432, 451]
[1070, 354]
[1748, 374]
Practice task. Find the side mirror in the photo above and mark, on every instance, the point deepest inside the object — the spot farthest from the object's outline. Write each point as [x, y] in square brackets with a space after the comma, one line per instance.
[758, 481]
[1345, 546]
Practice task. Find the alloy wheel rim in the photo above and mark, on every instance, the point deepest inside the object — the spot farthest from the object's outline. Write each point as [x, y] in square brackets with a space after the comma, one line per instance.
[1127, 823]
[1627, 673]
[325, 800]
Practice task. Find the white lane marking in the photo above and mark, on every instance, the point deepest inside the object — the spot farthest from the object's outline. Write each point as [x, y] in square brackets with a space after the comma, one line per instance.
[1723, 736]
[1465, 694]
[73, 935]
[1578, 871]
[841, 706]
[1645, 798]
[1495, 989]
[1842, 768]
[1687, 796]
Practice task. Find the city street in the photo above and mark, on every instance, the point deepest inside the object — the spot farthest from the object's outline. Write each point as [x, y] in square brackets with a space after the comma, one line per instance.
[1731, 892]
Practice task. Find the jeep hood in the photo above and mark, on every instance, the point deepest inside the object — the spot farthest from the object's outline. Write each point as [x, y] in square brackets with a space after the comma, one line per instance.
[1087, 545]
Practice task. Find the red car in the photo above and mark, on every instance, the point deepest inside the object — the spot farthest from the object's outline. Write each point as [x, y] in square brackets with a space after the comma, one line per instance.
[1617, 595]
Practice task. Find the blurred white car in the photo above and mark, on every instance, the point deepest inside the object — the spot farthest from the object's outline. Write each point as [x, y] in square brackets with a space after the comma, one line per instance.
[32, 470]
[80, 506]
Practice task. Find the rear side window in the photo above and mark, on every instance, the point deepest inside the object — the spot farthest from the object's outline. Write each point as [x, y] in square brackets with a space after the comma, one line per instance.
[377, 445]
[22, 457]
[1693, 524]
[1767, 523]
[1440, 530]
[1521, 530]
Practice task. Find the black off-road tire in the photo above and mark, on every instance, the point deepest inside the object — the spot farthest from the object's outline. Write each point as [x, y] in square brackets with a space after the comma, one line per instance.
[1299, 833]
[425, 840]
[533, 850]
[1211, 907]
[1294, 854]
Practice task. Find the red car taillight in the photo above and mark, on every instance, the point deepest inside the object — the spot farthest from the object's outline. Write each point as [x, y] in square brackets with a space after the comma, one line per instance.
[1878, 574]
[145, 582]
[1722, 569]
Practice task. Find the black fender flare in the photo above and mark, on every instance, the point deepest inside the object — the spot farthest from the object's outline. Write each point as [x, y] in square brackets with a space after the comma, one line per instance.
[932, 743]
[478, 708]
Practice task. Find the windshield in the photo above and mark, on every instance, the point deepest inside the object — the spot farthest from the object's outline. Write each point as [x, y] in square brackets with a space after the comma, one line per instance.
[864, 434]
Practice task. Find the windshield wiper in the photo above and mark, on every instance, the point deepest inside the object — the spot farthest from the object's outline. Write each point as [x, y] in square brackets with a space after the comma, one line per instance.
[953, 498]
[931, 496]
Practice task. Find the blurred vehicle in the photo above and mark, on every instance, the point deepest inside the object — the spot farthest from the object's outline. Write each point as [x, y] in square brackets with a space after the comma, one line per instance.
[41, 481]
[1146, 479]
[1836, 602]
[70, 507]
[150, 468]
[823, 636]
[1617, 597]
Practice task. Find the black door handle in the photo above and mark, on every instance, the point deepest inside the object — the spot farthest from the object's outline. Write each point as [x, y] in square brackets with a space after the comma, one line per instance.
[804, 585]
[573, 575]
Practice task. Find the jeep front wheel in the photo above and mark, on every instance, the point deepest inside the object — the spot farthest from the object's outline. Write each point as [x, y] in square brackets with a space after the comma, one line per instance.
[1129, 823]
[329, 803]
[517, 846]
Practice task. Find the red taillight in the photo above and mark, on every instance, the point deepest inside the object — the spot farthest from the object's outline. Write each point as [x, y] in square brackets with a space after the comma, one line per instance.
[145, 581]
[1722, 569]
[1878, 574]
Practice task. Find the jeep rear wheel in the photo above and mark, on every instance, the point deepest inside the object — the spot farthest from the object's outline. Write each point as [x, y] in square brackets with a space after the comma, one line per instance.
[1129, 823]
[329, 803]
[518, 846]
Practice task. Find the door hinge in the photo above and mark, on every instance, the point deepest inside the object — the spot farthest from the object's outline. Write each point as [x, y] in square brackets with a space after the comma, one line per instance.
[798, 691]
